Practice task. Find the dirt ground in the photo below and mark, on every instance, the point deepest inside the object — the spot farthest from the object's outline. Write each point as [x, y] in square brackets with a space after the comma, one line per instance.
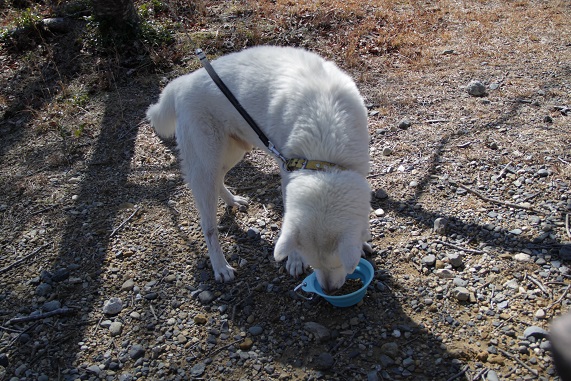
[93, 206]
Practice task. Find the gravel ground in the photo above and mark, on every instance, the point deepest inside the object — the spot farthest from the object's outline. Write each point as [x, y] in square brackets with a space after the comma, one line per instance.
[104, 271]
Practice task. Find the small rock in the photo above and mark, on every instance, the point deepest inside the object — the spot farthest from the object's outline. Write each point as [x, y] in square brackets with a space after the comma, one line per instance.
[198, 369]
[381, 194]
[112, 306]
[255, 330]
[373, 376]
[455, 259]
[320, 333]
[200, 319]
[428, 260]
[95, 369]
[128, 285]
[565, 251]
[540, 313]
[515, 231]
[542, 172]
[253, 233]
[4, 361]
[206, 297]
[413, 184]
[43, 289]
[60, 275]
[461, 293]
[440, 225]
[247, 344]
[404, 124]
[476, 89]
[548, 119]
[379, 212]
[492, 376]
[136, 351]
[522, 257]
[390, 349]
[115, 328]
[324, 361]
[52, 305]
[387, 151]
[536, 332]
[444, 273]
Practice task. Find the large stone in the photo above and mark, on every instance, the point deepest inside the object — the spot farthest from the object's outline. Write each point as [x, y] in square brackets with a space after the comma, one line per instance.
[561, 345]
[319, 332]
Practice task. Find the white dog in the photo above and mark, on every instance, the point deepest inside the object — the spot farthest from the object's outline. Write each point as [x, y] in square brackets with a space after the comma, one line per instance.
[309, 109]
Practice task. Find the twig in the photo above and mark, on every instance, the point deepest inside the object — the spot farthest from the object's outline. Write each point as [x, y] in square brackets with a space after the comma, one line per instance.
[459, 247]
[538, 284]
[431, 121]
[124, 222]
[493, 200]
[464, 145]
[481, 373]
[567, 225]
[214, 351]
[504, 169]
[464, 370]
[509, 355]
[59, 311]
[12, 265]
[560, 298]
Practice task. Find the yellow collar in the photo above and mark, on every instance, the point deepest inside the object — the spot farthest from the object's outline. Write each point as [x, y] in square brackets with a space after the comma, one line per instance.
[315, 165]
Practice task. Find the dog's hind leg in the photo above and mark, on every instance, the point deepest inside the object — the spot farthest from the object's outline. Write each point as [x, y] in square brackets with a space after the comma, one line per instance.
[234, 151]
[202, 166]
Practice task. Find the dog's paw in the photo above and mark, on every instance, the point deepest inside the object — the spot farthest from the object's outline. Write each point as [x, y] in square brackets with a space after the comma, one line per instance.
[367, 249]
[224, 274]
[295, 265]
[238, 201]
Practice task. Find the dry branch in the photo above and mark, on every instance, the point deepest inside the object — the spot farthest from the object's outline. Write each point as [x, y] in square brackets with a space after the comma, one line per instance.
[59, 311]
[12, 265]
[493, 200]
[459, 247]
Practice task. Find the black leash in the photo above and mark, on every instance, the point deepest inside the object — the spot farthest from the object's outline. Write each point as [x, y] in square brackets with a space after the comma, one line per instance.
[226, 91]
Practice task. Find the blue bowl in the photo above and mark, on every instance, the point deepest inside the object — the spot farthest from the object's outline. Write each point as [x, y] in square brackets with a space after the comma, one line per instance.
[364, 271]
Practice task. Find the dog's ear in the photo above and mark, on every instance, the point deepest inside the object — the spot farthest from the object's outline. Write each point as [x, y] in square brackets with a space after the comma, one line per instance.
[350, 250]
[287, 242]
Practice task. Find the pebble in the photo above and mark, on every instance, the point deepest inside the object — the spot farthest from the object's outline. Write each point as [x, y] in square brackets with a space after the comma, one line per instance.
[522, 257]
[439, 226]
[200, 319]
[461, 293]
[320, 332]
[390, 349]
[404, 124]
[247, 344]
[198, 369]
[379, 212]
[128, 285]
[387, 151]
[540, 313]
[444, 273]
[43, 289]
[52, 305]
[206, 297]
[455, 259]
[255, 330]
[136, 351]
[492, 376]
[476, 89]
[112, 306]
[428, 260]
[115, 328]
[535, 331]
[324, 361]
[381, 194]
[565, 252]
[95, 369]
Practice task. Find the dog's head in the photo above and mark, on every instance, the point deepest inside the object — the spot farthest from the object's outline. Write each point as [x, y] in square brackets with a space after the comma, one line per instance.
[326, 223]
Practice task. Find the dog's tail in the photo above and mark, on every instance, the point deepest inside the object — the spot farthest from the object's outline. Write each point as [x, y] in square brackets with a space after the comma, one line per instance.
[162, 114]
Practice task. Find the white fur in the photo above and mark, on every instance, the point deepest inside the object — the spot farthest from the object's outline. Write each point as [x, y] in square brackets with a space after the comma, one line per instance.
[309, 109]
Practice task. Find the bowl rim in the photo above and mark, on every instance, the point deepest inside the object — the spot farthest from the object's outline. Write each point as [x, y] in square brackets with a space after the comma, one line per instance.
[308, 283]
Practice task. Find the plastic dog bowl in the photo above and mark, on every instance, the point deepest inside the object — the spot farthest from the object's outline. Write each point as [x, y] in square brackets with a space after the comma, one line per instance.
[364, 271]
